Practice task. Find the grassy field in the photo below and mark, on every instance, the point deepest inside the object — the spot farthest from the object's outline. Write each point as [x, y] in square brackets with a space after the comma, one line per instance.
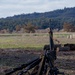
[31, 41]
[23, 40]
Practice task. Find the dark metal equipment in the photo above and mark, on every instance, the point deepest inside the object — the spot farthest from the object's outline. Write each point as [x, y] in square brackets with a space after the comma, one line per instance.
[43, 65]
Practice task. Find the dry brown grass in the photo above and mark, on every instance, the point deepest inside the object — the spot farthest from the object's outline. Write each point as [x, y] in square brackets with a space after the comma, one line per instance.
[36, 40]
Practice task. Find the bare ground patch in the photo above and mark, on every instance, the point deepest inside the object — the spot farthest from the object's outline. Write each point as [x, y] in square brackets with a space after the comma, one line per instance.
[10, 58]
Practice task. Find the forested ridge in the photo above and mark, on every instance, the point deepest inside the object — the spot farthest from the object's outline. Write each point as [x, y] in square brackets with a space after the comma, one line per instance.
[41, 20]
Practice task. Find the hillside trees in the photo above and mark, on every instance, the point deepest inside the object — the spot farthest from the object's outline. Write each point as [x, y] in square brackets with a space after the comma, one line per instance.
[68, 27]
[41, 20]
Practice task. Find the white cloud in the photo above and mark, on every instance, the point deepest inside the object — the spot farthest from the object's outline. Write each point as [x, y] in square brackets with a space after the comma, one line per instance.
[12, 7]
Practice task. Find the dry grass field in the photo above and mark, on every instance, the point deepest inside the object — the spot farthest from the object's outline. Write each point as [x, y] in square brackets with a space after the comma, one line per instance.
[35, 40]
[23, 41]
[17, 49]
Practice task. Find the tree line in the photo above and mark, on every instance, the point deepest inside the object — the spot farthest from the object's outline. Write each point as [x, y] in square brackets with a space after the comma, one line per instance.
[60, 18]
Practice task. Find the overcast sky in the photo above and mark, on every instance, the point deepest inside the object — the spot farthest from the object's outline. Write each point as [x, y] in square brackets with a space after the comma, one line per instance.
[15, 7]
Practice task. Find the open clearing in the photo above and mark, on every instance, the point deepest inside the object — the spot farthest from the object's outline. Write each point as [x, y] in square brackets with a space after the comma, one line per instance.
[33, 41]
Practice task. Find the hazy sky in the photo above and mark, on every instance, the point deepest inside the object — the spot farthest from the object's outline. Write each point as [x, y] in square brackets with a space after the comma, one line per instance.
[15, 7]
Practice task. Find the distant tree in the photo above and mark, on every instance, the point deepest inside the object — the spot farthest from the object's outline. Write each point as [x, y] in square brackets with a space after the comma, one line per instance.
[68, 27]
[10, 29]
[18, 28]
[29, 28]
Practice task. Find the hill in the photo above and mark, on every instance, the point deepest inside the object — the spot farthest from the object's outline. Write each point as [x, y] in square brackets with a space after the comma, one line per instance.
[42, 20]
